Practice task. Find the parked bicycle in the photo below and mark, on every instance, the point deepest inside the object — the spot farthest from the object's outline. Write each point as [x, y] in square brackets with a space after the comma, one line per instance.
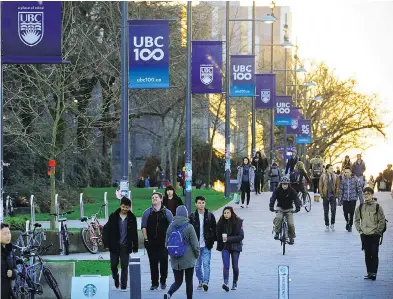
[64, 234]
[283, 236]
[307, 202]
[33, 237]
[92, 234]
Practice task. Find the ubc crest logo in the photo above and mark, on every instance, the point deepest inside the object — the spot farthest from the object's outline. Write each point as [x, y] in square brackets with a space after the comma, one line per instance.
[206, 74]
[294, 124]
[31, 27]
[265, 95]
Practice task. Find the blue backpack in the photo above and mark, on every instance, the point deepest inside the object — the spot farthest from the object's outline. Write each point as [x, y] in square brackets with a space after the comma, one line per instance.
[176, 245]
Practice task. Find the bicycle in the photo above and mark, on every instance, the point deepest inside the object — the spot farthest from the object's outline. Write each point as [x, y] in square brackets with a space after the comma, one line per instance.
[64, 234]
[34, 238]
[283, 235]
[27, 283]
[307, 202]
[92, 234]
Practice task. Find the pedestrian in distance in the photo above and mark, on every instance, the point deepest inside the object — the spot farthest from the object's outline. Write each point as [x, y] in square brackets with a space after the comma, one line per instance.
[292, 162]
[388, 177]
[8, 266]
[350, 192]
[316, 169]
[160, 176]
[358, 169]
[183, 247]
[245, 180]
[155, 223]
[347, 163]
[370, 222]
[204, 224]
[260, 163]
[275, 176]
[299, 179]
[230, 235]
[120, 236]
[285, 197]
[371, 182]
[329, 186]
[171, 200]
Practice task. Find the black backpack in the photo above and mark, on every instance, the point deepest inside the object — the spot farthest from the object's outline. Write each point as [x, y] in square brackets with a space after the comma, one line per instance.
[377, 210]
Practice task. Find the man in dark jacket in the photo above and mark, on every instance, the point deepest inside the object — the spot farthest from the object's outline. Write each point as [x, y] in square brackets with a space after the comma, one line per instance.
[155, 223]
[388, 177]
[204, 224]
[292, 162]
[285, 197]
[8, 271]
[120, 236]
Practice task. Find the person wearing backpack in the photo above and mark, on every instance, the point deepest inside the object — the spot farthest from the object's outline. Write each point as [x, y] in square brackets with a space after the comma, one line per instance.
[298, 179]
[370, 222]
[155, 223]
[316, 168]
[291, 163]
[183, 248]
[275, 177]
[245, 180]
[120, 236]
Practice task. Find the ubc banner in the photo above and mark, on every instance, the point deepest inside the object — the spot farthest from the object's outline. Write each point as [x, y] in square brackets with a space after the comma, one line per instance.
[206, 67]
[242, 79]
[148, 54]
[265, 85]
[296, 115]
[31, 32]
[304, 136]
[282, 111]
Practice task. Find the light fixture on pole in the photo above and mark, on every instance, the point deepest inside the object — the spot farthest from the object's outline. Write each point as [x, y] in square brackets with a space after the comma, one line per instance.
[268, 19]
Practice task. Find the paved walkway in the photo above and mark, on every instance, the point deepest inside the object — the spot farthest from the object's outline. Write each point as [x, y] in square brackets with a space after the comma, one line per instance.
[322, 264]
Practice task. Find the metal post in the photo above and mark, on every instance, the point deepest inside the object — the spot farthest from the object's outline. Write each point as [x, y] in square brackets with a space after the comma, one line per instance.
[81, 207]
[1, 128]
[106, 205]
[134, 269]
[124, 94]
[7, 206]
[286, 92]
[253, 129]
[297, 148]
[227, 111]
[272, 112]
[188, 156]
[32, 209]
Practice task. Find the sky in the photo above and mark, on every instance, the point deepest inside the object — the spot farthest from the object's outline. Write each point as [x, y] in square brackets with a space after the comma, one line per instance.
[356, 39]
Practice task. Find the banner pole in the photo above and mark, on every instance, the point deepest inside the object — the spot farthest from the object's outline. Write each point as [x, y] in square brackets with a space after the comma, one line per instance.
[1, 126]
[227, 110]
[253, 129]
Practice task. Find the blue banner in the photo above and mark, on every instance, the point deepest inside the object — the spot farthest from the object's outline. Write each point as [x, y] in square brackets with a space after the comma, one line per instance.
[31, 32]
[148, 54]
[304, 136]
[296, 115]
[282, 111]
[242, 79]
[265, 85]
[206, 67]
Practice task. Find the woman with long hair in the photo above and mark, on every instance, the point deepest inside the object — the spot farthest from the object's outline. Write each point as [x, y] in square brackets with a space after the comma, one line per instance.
[346, 163]
[230, 235]
[171, 200]
[245, 180]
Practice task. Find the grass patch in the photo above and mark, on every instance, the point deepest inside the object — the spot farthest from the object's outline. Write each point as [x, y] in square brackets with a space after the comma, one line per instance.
[95, 267]
[141, 201]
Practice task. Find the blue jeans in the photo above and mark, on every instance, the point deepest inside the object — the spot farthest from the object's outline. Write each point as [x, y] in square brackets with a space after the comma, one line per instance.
[204, 258]
[235, 264]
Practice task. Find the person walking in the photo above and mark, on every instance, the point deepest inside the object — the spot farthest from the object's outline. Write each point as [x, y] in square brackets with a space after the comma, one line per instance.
[371, 182]
[380, 182]
[275, 176]
[230, 235]
[171, 200]
[204, 224]
[185, 251]
[120, 236]
[329, 186]
[292, 162]
[350, 192]
[346, 163]
[388, 177]
[260, 163]
[299, 178]
[155, 223]
[370, 223]
[358, 169]
[160, 176]
[8, 266]
[316, 169]
[245, 180]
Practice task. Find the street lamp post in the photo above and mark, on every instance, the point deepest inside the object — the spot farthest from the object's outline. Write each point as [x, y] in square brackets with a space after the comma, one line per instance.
[227, 110]
[273, 5]
[253, 129]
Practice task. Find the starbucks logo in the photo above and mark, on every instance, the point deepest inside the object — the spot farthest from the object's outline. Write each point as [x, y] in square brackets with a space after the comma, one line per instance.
[90, 290]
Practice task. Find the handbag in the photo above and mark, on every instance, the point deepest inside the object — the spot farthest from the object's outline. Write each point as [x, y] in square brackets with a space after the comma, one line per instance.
[236, 198]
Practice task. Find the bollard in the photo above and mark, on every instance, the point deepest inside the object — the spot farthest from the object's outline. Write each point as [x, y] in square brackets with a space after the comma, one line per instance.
[283, 282]
[106, 205]
[27, 228]
[32, 209]
[57, 208]
[82, 211]
[135, 277]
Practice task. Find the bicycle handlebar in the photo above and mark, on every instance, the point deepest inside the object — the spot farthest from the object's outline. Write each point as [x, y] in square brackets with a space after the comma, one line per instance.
[61, 214]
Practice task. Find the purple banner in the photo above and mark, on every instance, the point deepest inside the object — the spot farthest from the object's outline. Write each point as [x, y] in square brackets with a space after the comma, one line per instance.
[282, 111]
[206, 67]
[31, 32]
[242, 79]
[265, 86]
[305, 128]
[296, 115]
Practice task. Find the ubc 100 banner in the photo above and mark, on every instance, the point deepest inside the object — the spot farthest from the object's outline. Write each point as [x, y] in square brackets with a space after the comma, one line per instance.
[148, 54]
[282, 111]
[206, 67]
[265, 85]
[31, 32]
[242, 79]
[304, 136]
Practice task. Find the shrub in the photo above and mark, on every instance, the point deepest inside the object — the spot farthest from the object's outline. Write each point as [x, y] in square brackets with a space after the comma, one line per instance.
[16, 223]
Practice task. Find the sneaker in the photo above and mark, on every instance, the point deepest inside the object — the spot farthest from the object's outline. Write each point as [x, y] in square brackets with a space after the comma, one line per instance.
[332, 228]
[234, 286]
[205, 287]
[117, 283]
[199, 287]
[373, 277]
[276, 236]
[153, 287]
[242, 206]
[368, 276]
[225, 287]
[163, 286]
[291, 241]
[349, 228]
[123, 290]
[167, 296]
[327, 228]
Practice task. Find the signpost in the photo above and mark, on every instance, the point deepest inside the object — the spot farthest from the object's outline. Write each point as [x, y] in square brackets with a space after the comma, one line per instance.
[283, 282]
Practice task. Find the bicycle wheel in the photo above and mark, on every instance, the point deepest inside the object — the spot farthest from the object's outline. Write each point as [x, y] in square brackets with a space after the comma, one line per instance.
[283, 236]
[52, 283]
[307, 203]
[89, 240]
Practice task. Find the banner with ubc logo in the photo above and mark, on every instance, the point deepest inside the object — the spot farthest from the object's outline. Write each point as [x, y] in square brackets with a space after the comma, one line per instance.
[265, 85]
[304, 136]
[148, 54]
[296, 115]
[242, 79]
[206, 67]
[31, 32]
[282, 111]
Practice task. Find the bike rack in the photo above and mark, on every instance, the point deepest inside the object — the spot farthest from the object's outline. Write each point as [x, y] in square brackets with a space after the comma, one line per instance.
[106, 205]
[32, 209]
[57, 211]
[82, 211]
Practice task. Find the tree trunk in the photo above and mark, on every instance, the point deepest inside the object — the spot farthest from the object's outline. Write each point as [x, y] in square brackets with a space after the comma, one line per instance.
[163, 145]
[171, 176]
[177, 145]
[52, 197]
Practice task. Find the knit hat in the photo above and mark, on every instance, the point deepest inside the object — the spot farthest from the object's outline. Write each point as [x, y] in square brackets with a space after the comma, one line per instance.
[182, 211]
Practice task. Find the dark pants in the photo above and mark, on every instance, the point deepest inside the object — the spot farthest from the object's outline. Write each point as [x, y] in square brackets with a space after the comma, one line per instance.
[122, 255]
[389, 186]
[371, 247]
[315, 183]
[234, 255]
[273, 186]
[245, 188]
[257, 182]
[349, 209]
[333, 204]
[158, 256]
[189, 274]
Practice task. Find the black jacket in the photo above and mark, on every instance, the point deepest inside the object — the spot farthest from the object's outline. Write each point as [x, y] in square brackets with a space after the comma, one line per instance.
[111, 232]
[291, 164]
[260, 166]
[235, 234]
[178, 202]
[285, 199]
[7, 263]
[209, 227]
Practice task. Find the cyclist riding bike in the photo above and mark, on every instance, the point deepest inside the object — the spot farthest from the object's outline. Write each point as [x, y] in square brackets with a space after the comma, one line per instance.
[299, 178]
[285, 197]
